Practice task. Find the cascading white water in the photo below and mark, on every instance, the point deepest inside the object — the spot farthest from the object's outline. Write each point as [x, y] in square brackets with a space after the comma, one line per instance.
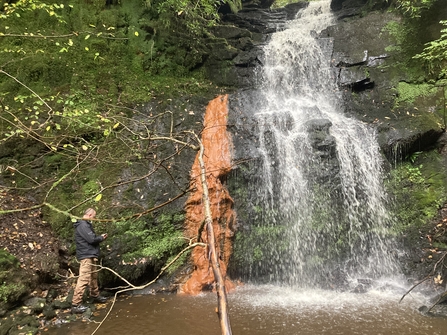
[322, 176]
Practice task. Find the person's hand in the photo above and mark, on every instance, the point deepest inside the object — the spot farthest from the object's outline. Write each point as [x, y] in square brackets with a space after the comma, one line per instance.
[104, 236]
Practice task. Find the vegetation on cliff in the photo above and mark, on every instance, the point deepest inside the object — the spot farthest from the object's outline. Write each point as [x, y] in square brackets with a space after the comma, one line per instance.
[420, 45]
[98, 99]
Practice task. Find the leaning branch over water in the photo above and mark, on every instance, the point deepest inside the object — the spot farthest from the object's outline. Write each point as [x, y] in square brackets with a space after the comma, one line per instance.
[224, 318]
[430, 276]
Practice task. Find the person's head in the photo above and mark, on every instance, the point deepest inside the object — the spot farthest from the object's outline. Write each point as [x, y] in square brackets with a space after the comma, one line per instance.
[90, 213]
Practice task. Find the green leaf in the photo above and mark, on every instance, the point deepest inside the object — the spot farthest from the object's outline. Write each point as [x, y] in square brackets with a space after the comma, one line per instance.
[98, 197]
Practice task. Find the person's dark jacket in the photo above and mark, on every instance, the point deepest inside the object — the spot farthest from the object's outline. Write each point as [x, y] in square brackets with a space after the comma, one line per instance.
[87, 242]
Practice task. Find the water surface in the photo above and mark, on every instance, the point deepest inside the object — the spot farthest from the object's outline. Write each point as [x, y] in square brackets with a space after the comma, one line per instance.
[268, 310]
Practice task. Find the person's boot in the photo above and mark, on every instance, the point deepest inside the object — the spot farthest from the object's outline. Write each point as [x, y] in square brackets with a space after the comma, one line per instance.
[99, 299]
[78, 309]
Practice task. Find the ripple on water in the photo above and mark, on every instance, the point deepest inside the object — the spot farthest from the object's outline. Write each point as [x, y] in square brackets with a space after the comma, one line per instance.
[283, 310]
[268, 310]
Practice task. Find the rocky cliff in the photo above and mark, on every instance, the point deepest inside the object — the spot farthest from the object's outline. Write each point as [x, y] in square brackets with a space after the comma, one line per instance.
[382, 85]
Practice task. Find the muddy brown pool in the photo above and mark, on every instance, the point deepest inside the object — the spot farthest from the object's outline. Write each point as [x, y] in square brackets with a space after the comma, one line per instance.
[267, 310]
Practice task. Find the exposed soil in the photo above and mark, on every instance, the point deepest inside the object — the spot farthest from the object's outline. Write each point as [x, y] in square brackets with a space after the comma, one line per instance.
[30, 239]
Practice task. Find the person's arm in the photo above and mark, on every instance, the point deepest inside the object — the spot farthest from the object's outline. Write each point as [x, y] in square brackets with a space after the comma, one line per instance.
[87, 233]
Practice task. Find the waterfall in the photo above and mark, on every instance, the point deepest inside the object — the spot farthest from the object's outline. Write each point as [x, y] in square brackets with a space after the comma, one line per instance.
[321, 191]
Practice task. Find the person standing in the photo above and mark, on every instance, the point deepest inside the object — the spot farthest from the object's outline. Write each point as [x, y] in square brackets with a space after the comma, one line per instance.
[87, 253]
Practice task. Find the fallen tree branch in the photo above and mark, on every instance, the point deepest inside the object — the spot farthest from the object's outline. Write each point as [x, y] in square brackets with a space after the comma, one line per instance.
[413, 287]
[224, 318]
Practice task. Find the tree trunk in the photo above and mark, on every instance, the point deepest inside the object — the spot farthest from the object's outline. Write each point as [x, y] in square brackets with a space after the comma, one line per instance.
[224, 318]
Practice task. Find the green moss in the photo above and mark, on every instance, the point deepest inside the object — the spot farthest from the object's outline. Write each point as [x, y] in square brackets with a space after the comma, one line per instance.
[7, 261]
[90, 188]
[440, 245]
[12, 285]
[11, 292]
[408, 93]
[254, 246]
[409, 40]
[418, 188]
[235, 5]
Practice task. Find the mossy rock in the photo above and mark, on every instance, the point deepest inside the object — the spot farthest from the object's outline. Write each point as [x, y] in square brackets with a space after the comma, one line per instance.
[5, 325]
[13, 286]
[7, 261]
[418, 188]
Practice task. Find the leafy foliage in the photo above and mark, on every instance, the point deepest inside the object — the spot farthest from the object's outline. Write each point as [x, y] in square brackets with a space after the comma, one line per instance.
[414, 8]
[193, 13]
[435, 54]
[74, 77]
[153, 242]
[412, 32]
[144, 244]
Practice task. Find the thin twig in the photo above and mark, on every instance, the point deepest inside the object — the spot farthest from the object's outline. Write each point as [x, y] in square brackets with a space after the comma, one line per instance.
[426, 278]
[37, 95]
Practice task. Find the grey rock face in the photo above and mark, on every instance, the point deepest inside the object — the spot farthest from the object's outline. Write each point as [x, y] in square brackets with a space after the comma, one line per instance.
[233, 60]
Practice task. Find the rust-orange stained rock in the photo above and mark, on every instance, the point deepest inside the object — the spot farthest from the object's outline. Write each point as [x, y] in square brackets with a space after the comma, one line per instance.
[217, 158]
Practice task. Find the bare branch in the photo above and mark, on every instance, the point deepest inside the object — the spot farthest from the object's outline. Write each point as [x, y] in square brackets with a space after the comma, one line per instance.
[430, 276]
[224, 318]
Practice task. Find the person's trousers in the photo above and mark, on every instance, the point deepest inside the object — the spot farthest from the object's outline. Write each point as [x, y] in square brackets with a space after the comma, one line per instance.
[88, 276]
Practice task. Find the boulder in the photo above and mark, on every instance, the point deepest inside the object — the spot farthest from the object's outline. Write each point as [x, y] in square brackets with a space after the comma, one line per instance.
[36, 304]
